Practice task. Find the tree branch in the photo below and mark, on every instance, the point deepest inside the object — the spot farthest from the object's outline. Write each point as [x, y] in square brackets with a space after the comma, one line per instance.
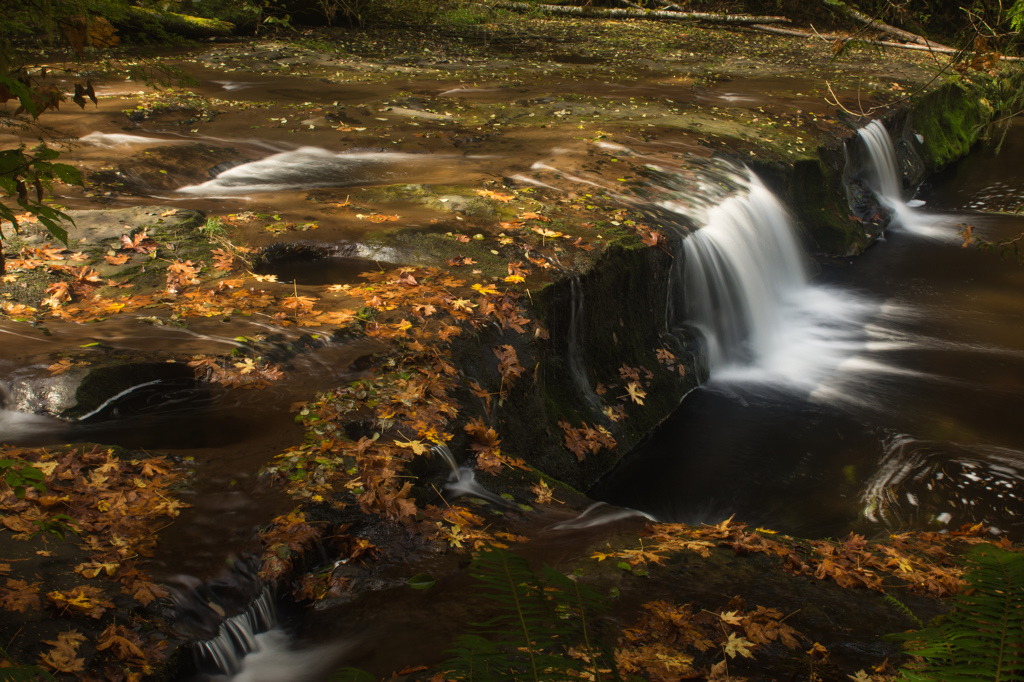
[886, 28]
[882, 43]
[571, 10]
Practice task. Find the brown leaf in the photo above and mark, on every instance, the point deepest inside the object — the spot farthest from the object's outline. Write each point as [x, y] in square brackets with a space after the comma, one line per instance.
[123, 643]
[19, 596]
[497, 196]
[85, 599]
[508, 364]
[61, 658]
[116, 260]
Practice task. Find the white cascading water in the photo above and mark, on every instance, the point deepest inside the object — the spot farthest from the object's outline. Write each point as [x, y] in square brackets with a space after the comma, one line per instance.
[883, 173]
[238, 636]
[740, 267]
[883, 178]
[745, 287]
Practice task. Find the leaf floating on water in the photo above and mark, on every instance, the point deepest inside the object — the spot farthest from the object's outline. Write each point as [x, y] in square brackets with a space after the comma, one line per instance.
[421, 581]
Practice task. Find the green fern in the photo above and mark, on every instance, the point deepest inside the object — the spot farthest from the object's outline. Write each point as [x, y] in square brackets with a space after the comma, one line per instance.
[902, 608]
[538, 621]
[22, 673]
[982, 638]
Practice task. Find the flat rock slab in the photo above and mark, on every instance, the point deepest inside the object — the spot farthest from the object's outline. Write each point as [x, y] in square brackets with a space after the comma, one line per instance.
[96, 227]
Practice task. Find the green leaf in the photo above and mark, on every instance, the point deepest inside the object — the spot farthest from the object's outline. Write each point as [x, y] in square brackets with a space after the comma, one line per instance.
[69, 175]
[421, 581]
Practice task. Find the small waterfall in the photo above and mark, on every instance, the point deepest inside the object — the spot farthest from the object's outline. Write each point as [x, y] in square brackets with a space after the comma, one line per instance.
[883, 179]
[237, 636]
[462, 480]
[883, 172]
[740, 267]
[573, 355]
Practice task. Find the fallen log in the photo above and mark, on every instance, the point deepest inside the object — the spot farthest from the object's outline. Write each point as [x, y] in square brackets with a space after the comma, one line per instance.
[884, 27]
[828, 37]
[657, 15]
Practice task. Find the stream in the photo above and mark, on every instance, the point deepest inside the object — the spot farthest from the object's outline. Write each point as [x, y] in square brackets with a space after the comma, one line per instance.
[879, 395]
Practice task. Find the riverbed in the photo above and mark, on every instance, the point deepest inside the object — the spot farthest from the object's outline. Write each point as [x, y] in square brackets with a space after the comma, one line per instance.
[889, 405]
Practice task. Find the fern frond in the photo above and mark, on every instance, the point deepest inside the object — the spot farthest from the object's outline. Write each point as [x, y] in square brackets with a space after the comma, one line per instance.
[538, 621]
[982, 637]
[475, 659]
[22, 673]
[902, 608]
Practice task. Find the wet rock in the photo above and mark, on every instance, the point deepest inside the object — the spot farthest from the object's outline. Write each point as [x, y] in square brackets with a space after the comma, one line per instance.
[167, 168]
[200, 608]
[103, 227]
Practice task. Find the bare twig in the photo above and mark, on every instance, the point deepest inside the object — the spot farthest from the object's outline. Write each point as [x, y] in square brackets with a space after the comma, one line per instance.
[827, 37]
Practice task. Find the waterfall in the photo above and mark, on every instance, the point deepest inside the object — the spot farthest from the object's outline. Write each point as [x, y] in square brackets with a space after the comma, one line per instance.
[739, 268]
[236, 637]
[741, 280]
[883, 179]
[883, 171]
[462, 480]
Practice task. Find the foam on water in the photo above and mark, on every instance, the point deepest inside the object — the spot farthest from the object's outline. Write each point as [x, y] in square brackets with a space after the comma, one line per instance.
[305, 168]
[110, 140]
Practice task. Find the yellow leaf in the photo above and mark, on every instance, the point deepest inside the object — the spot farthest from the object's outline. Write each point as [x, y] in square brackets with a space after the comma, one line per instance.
[416, 446]
[731, 618]
[94, 568]
[636, 393]
[515, 279]
[738, 646]
[486, 289]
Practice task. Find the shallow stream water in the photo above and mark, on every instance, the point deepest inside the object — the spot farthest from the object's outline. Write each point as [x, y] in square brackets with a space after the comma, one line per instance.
[893, 404]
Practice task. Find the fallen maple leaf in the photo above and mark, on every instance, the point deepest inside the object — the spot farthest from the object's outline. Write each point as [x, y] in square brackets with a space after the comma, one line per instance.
[486, 289]
[123, 643]
[222, 260]
[94, 568]
[636, 393]
[730, 617]
[19, 595]
[416, 446]
[504, 198]
[534, 216]
[545, 232]
[83, 599]
[61, 658]
[543, 493]
[738, 646]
